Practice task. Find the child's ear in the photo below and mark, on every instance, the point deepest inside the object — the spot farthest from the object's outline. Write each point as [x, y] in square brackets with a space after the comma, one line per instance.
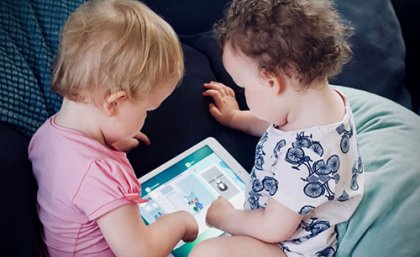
[275, 80]
[112, 102]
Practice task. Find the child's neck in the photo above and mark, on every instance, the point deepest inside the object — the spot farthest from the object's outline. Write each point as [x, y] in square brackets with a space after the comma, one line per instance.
[81, 117]
[318, 105]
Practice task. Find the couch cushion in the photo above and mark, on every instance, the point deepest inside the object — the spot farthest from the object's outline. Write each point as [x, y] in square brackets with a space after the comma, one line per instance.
[189, 16]
[28, 42]
[19, 223]
[377, 64]
[29, 38]
[387, 221]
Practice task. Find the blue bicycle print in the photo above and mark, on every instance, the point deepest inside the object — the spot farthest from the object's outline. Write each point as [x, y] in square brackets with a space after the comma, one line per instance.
[280, 144]
[254, 200]
[314, 228]
[306, 209]
[356, 170]
[345, 137]
[327, 252]
[259, 152]
[284, 247]
[320, 173]
[270, 185]
[343, 197]
[320, 176]
[308, 142]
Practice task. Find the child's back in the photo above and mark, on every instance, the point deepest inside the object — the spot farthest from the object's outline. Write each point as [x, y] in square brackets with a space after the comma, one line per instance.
[71, 184]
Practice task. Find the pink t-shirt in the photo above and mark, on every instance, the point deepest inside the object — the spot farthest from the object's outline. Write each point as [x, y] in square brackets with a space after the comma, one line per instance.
[79, 180]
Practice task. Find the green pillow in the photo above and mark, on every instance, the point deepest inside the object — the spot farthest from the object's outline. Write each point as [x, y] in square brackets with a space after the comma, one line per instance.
[387, 221]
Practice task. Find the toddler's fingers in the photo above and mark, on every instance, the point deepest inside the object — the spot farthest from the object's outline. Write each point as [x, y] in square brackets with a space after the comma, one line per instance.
[220, 87]
[214, 85]
[142, 137]
[214, 111]
[133, 143]
[212, 93]
[126, 145]
[229, 91]
[216, 95]
[226, 90]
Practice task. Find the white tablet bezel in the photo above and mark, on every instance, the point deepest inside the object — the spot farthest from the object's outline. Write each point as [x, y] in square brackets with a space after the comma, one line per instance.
[217, 148]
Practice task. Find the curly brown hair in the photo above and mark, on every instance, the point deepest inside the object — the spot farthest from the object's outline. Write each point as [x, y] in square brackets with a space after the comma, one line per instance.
[306, 38]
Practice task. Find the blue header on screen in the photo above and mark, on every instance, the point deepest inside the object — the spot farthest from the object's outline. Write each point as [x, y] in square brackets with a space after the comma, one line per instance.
[175, 169]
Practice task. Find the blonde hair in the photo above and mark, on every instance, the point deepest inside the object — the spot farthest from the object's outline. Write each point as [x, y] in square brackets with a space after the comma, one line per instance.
[112, 45]
[307, 37]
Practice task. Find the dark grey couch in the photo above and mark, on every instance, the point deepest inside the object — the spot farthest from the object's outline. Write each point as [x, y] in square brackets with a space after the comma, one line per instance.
[28, 41]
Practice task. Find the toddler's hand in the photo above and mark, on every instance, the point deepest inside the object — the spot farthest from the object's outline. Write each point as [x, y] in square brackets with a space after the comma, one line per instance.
[128, 144]
[225, 105]
[218, 210]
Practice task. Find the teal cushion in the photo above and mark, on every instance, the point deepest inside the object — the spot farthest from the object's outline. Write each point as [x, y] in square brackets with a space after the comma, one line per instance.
[28, 43]
[386, 222]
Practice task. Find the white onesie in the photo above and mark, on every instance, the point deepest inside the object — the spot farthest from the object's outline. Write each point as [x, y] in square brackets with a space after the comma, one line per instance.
[316, 172]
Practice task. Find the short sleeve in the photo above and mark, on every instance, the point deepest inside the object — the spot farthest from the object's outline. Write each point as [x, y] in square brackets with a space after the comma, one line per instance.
[107, 185]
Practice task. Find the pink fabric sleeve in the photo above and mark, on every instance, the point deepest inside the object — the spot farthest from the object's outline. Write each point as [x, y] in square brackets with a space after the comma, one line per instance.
[106, 186]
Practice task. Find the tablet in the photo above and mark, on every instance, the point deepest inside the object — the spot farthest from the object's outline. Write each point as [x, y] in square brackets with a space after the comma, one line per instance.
[191, 181]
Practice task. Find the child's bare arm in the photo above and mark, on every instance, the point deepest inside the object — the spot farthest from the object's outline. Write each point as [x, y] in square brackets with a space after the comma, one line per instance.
[127, 235]
[225, 110]
[273, 224]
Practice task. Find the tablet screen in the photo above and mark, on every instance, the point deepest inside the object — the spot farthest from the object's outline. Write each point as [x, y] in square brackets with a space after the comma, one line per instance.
[191, 184]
